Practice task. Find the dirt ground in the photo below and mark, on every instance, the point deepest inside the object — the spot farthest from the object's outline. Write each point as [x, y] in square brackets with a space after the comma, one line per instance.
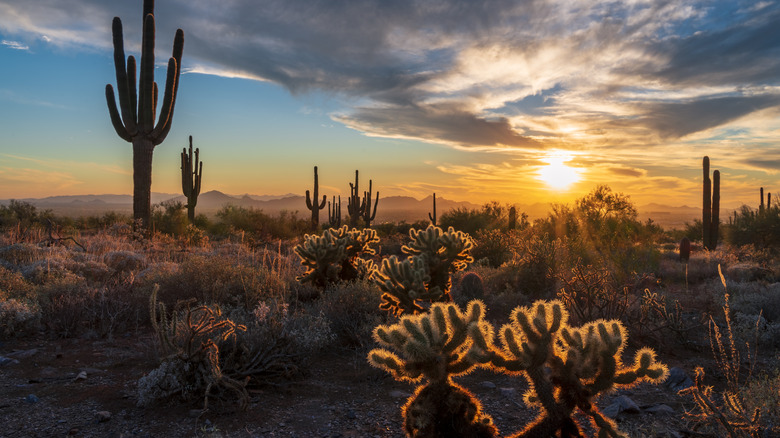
[86, 388]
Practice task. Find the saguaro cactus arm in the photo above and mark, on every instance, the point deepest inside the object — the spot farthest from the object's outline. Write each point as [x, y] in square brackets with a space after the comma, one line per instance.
[311, 201]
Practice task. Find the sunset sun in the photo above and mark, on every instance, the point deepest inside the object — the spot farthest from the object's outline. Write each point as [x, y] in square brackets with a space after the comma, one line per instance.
[556, 174]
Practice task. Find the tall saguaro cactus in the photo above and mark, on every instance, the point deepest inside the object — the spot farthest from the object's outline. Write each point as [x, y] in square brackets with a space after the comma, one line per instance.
[710, 206]
[334, 213]
[311, 202]
[367, 215]
[136, 122]
[353, 203]
[191, 176]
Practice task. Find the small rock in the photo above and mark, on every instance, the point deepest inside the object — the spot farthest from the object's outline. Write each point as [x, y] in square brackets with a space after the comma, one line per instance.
[23, 354]
[195, 413]
[399, 394]
[7, 361]
[351, 414]
[678, 379]
[102, 416]
[620, 405]
[488, 384]
[32, 398]
[81, 376]
[661, 409]
[508, 392]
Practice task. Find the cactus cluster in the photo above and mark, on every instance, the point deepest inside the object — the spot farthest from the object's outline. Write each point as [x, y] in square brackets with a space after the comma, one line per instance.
[134, 119]
[566, 367]
[191, 177]
[710, 217]
[311, 202]
[768, 201]
[335, 255]
[437, 346]
[432, 256]
[360, 208]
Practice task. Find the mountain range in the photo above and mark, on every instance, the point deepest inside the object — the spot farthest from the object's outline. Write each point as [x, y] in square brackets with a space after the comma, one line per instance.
[391, 208]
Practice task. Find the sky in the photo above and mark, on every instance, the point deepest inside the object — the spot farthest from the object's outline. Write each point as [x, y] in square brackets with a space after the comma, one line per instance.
[514, 101]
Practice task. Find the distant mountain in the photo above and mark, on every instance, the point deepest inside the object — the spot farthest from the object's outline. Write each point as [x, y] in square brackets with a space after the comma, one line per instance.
[391, 208]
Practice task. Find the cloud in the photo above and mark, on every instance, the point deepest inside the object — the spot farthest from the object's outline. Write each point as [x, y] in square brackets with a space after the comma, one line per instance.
[494, 74]
[15, 45]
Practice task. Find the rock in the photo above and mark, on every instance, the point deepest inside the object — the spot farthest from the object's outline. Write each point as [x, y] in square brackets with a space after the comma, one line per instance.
[7, 361]
[81, 376]
[661, 409]
[23, 354]
[102, 416]
[620, 405]
[32, 398]
[399, 394]
[508, 392]
[488, 384]
[678, 379]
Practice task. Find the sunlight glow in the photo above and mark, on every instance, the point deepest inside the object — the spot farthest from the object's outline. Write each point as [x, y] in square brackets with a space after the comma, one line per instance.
[556, 174]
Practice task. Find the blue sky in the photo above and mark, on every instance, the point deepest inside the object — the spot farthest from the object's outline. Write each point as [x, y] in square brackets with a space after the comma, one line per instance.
[472, 100]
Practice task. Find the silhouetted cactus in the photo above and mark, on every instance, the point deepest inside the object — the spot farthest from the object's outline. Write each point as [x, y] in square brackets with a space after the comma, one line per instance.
[191, 176]
[761, 205]
[334, 255]
[354, 208]
[136, 123]
[511, 222]
[432, 217]
[425, 275]
[567, 368]
[436, 347]
[311, 202]
[710, 206]
[367, 215]
[685, 249]
[334, 213]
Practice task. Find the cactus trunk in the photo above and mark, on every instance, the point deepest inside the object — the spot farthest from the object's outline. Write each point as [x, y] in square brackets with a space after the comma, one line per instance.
[715, 216]
[353, 203]
[706, 209]
[432, 217]
[143, 149]
[191, 176]
[367, 215]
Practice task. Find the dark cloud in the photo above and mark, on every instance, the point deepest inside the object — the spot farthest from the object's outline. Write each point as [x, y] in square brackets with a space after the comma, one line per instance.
[436, 123]
[770, 165]
[674, 120]
[624, 171]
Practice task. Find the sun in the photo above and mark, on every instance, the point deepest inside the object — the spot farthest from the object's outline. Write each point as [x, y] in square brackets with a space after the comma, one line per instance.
[556, 174]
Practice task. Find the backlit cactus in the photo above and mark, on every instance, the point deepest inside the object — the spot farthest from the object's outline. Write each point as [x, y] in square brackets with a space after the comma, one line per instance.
[566, 367]
[433, 255]
[311, 202]
[437, 346]
[334, 255]
[367, 215]
[710, 206]
[191, 176]
[136, 122]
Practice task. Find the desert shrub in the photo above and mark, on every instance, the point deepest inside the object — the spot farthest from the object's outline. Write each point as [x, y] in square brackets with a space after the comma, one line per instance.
[194, 236]
[20, 254]
[491, 216]
[760, 228]
[213, 280]
[470, 287]
[125, 261]
[259, 225]
[23, 216]
[13, 285]
[170, 217]
[207, 353]
[352, 310]
[18, 318]
[495, 246]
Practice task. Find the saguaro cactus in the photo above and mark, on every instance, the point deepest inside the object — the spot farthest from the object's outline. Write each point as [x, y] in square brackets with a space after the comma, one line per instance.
[710, 206]
[353, 203]
[136, 123]
[191, 176]
[367, 215]
[432, 217]
[761, 205]
[334, 213]
[311, 202]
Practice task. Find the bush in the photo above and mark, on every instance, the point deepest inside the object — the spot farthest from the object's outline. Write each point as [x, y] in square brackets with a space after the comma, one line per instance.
[18, 318]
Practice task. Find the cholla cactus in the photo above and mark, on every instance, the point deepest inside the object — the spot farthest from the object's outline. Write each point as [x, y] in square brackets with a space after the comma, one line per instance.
[443, 252]
[437, 346]
[403, 283]
[567, 368]
[333, 256]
